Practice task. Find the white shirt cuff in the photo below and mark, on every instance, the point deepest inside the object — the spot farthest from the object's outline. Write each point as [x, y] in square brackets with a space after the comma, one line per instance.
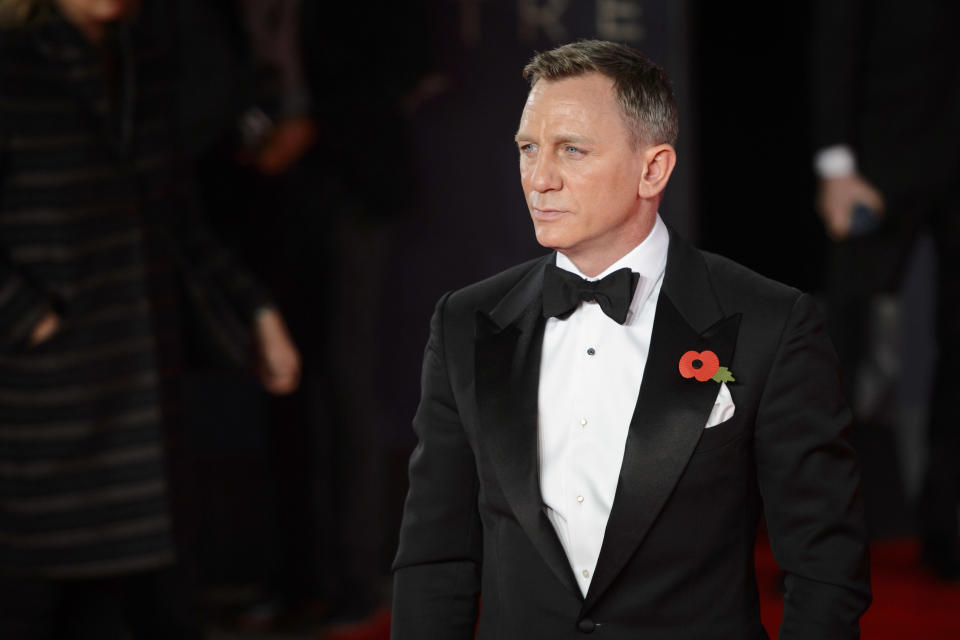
[836, 161]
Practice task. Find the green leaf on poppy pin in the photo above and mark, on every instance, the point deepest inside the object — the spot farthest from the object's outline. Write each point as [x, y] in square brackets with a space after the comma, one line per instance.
[723, 375]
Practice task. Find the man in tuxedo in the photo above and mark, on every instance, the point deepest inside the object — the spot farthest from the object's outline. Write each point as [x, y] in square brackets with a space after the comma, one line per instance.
[601, 429]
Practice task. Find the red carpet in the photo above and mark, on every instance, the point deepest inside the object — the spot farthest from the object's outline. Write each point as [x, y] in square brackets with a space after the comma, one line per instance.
[377, 627]
[907, 603]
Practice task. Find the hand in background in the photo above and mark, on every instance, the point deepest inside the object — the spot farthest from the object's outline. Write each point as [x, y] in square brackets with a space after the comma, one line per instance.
[836, 198]
[286, 144]
[278, 358]
[45, 328]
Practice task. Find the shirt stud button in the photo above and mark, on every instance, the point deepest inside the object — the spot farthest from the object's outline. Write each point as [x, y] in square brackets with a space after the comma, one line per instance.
[580, 499]
[591, 351]
[586, 574]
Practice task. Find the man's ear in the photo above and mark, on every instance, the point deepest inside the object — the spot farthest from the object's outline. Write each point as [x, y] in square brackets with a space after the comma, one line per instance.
[658, 163]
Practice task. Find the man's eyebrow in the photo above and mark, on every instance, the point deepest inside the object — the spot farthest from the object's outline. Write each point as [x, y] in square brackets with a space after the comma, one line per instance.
[562, 138]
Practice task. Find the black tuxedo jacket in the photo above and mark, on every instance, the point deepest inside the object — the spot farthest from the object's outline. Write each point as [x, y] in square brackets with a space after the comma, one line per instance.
[677, 556]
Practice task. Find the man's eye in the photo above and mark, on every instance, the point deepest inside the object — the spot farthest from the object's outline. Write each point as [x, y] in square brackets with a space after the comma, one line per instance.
[527, 148]
[572, 150]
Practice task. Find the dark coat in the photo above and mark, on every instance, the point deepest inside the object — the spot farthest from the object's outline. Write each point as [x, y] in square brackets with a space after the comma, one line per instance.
[97, 223]
[677, 556]
[886, 81]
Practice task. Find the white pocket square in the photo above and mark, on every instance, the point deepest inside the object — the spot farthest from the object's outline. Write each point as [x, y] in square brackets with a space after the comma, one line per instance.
[722, 407]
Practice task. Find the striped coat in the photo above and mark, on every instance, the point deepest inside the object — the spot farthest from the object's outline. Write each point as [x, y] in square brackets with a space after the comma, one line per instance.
[96, 223]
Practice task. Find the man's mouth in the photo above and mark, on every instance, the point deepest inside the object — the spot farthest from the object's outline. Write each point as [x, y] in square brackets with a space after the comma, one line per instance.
[547, 213]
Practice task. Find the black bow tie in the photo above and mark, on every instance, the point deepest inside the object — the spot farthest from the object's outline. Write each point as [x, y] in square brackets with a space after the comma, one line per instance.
[564, 291]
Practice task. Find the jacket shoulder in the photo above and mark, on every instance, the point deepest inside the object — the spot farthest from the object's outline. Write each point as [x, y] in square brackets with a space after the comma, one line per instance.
[767, 305]
[458, 309]
[737, 286]
[485, 294]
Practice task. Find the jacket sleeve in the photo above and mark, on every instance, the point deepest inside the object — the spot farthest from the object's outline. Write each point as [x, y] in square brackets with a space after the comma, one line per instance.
[220, 284]
[22, 302]
[208, 261]
[223, 297]
[810, 483]
[836, 44]
[437, 567]
[21, 306]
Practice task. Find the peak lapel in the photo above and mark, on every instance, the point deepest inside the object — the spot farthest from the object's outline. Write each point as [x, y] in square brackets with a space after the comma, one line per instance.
[671, 411]
[508, 348]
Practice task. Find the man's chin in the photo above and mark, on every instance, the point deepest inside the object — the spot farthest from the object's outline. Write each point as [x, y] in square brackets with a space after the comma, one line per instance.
[551, 236]
[550, 241]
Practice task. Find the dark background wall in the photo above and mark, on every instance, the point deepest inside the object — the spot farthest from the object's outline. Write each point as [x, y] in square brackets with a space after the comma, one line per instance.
[755, 179]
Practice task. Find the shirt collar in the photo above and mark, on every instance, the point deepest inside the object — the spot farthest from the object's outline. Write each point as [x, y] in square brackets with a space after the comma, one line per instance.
[649, 258]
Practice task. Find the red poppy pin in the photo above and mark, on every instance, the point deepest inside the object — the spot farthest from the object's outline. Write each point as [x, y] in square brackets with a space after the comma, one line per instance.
[704, 365]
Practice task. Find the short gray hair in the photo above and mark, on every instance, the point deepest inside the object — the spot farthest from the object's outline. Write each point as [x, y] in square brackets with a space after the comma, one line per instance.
[641, 87]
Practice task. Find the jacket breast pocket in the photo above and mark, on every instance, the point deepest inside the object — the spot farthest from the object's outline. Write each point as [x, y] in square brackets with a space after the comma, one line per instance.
[722, 434]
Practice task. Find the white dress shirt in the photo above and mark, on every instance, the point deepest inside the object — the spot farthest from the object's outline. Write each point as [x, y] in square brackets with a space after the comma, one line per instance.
[590, 375]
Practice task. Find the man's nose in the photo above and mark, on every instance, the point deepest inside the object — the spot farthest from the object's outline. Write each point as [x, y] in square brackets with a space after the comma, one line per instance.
[545, 176]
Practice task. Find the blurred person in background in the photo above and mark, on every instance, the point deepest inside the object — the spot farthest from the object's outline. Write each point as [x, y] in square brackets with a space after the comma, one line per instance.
[289, 106]
[886, 124]
[248, 115]
[102, 253]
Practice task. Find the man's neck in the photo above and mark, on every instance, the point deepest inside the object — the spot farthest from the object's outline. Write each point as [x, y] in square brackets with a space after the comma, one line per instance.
[592, 261]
